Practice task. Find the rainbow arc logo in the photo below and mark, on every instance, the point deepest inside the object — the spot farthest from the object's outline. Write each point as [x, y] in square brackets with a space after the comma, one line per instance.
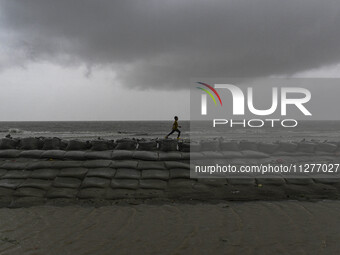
[209, 93]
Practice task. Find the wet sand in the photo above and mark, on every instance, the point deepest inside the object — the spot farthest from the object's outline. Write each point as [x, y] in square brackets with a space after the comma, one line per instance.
[285, 227]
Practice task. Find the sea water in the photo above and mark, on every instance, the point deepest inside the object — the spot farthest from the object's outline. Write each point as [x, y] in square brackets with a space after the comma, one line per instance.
[309, 130]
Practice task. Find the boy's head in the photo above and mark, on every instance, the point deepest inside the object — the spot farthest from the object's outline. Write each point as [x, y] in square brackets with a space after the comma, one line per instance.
[176, 118]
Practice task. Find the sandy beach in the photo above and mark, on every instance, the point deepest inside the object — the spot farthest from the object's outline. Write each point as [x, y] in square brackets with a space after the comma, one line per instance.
[285, 227]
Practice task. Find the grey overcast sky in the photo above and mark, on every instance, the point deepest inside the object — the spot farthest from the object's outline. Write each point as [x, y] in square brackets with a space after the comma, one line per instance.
[133, 60]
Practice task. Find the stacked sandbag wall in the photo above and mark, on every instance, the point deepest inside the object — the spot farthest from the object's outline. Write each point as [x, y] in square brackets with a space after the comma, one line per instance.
[53, 171]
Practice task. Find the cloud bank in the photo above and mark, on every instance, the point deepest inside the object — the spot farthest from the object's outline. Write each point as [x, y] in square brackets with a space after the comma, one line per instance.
[161, 44]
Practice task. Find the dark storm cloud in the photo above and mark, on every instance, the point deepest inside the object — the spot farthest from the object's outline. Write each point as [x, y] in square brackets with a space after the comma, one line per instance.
[162, 44]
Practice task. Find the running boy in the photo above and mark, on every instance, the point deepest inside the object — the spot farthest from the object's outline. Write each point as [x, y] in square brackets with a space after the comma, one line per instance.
[175, 128]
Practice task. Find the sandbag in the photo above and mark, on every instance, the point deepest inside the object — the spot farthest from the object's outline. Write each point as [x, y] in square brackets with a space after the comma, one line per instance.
[185, 155]
[98, 163]
[51, 143]
[30, 143]
[212, 154]
[126, 144]
[229, 146]
[61, 193]
[147, 145]
[36, 183]
[125, 164]
[11, 183]
[14, 165]
[67, 182]
[89, 193]
[98, 154]
[176, 164]
[101, 145]
[155, 174]
[31, 154]
[122, 154]
[78, 172]
[126, 173]
[167, 145]
[254, 154]
[195, 155]
[288, 146]
[104, 172]
[145, 155]
[54, 154]
[76, 145]
[210, 145]
[46, 174]
[29, 192]
[151, 165]
[17, 174]
[95, 182]
[6, 143]
[171, 155]
[63, 144]
[184, 146]
[124, 184]
[9, 153]
[78, 155]
[247, 145]
[327, 147]
[268, 147]
[306, 147]
[232, 154]
[66, 163]
[153, 184]
[179, 173]
[187, 146]
[32, 165]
